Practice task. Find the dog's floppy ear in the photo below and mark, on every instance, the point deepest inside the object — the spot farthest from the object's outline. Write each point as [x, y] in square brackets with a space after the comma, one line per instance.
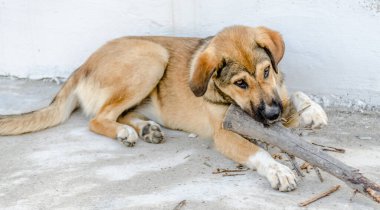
[272, 43]
[203, 66]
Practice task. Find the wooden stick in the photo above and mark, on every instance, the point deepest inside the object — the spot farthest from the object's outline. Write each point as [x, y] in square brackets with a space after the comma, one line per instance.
[294, 164]
[180, 205]
[222, 170]
[318, 174]
[331, 149]
[319, 196]
[353, 195]
[226, 174]
[238, 121]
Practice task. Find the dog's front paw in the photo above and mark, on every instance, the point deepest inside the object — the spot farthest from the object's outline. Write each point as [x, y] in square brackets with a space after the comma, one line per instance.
[127, 135]
[279, 176]
[311, 114]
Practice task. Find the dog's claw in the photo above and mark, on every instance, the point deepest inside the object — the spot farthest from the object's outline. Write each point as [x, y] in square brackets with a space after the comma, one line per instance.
[128, 144]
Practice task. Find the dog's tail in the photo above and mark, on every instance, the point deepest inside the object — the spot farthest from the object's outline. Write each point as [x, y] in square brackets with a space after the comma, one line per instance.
[57, 112]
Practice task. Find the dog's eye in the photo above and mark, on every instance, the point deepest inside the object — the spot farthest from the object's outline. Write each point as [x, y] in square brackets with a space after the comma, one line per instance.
[241, 84]
[266, 72]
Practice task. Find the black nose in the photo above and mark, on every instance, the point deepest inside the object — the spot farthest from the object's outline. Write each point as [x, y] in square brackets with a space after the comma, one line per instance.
[272, 112]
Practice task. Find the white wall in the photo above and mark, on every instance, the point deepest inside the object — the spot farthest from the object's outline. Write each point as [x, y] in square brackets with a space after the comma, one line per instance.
[332, 47]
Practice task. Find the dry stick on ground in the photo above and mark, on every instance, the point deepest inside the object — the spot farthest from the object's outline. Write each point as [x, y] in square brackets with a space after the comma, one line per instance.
[292, 159]
[306, 166]
[180, 205]
[222, 170]
[319, 196]
[329, 148]
[226, 174]
[353, 195]
[238, 121]
[318, 174]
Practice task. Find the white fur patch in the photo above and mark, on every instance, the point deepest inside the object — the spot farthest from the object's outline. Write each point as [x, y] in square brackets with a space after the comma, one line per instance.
[312, 115]
[91, 97]
[279, 176]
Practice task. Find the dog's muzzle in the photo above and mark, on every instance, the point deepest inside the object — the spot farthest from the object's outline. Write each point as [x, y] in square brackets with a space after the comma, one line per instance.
[268, 114]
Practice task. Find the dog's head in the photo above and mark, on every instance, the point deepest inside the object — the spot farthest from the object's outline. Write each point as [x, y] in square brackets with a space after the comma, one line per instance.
[239, 65]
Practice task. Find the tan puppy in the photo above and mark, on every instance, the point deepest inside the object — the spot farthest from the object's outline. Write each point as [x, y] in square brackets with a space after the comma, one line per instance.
[132, 85]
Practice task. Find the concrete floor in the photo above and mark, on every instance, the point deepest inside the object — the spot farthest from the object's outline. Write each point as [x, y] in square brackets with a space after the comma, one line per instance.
[68, 167]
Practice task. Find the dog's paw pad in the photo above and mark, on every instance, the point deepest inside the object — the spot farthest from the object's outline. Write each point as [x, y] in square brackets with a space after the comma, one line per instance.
[281, 177]
[152, 133]
[127, 136]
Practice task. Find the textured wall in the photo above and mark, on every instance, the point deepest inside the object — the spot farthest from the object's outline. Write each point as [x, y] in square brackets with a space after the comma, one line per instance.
[332, 47]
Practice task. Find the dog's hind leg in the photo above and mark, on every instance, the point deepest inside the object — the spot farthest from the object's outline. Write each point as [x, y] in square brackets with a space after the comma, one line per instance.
[105, 124]
[123, 73]
[147, 130]
[105, 121]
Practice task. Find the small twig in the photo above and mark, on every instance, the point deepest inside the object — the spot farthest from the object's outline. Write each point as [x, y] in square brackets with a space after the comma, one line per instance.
[187, 156]
[306, 166]
[277, 156]
[222, 170]
[353, 195]
[207, 164]
[226, 174]
[303, 109]
[295, 115]
[329, 148]
[240, 166]
[180, 205]
[319, 196]
[318, 173]
[292, 159]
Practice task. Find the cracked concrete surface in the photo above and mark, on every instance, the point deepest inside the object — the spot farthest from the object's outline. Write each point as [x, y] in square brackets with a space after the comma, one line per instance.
[68, 167]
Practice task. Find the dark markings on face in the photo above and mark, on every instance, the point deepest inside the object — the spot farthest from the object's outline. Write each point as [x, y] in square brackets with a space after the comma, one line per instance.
[256, 111]
[227, 71]
[277, 101]
[217, 102]
[229, 68]
[268, 52]
[226, 98]
[225, 76]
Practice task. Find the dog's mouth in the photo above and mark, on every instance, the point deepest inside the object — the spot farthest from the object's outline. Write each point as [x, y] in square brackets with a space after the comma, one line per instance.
[267, 115]
[259, 118]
